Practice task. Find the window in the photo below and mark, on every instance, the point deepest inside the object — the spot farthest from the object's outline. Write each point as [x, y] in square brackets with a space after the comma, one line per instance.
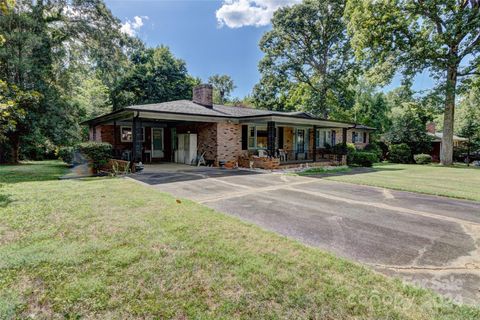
[324, 137]
[126, 134]
[359, 138]
[300, 140]
[334, 137]
[262, 137]
[257, 137]
[251, 137]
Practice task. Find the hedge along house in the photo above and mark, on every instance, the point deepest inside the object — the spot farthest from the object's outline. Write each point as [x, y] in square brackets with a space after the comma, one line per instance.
[178, 131]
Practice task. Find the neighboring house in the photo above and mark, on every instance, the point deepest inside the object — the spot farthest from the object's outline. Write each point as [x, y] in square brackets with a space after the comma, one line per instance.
[178, 131]
[437, 141]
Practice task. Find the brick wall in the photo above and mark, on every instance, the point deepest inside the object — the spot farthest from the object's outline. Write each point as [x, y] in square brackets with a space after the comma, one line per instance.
[207, 140]
[338, 135]
[288, 136]
[229, 141]
[107, 134]
[358, 145]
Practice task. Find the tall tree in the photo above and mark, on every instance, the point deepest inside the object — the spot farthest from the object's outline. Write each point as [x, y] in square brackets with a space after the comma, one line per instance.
[309, 45]
[408, 126]
[441, 36]
[371, 108]
[156, 76]
[223, 85]
[467, 124]
[47, 43]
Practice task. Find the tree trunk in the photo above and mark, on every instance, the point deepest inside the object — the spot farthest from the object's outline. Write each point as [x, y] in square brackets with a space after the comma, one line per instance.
[446, 154]
[15, 143]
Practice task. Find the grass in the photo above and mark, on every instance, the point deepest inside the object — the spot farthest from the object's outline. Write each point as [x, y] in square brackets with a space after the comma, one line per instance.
[456, 181]
[324, 170]
[111, 248]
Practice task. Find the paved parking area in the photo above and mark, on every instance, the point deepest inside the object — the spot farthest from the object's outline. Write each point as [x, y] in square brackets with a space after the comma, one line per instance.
[430, 241]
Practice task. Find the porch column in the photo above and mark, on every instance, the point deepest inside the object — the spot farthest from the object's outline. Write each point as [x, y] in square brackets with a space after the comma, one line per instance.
[271, 138]
[314, 147]
[344, 136]
[114, 134]
[134, 139]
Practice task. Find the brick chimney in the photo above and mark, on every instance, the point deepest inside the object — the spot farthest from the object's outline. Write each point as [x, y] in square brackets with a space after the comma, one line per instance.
[203, 94]
[431, 127]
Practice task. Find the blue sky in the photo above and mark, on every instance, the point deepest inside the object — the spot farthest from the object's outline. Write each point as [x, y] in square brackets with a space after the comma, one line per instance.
[211, 36]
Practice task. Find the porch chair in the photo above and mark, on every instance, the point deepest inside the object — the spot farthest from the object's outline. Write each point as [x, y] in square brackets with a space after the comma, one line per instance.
[262, 153]
[282, 154]
[201, 159]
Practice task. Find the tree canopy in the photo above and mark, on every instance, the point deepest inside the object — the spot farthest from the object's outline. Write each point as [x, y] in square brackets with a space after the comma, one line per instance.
[64, 62]
[410, 36]
[223, 86]
[155, 76]
[308, 49]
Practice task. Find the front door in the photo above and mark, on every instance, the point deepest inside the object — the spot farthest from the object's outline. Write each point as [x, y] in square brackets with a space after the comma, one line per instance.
[157, 143]
[300, 140]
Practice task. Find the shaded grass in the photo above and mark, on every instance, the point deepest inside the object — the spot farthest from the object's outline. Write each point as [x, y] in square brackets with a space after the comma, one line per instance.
[455, 181]
[110, 248]
[31, 171]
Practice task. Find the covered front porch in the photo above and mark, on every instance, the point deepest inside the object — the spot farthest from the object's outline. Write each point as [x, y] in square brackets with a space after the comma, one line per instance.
[154, 138]
[285, 144]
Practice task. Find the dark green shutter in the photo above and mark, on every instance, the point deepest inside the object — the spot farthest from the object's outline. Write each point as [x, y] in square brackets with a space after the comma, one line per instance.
[280, 137]
[244, 137]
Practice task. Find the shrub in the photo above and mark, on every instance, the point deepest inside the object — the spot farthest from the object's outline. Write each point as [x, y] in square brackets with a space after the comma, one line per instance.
[339, 148]
[66, 154]
[350, 151]
[99, 153]
[375, 148]
[351, 148]
[422, 158]
[400, 153]
[363, 158]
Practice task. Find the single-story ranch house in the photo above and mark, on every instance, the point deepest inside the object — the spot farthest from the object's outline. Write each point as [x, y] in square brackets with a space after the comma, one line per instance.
[179, 131]
[436, 143]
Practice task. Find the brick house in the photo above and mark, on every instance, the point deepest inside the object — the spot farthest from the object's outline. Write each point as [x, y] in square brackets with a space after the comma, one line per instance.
[436, 141]
[177, 131]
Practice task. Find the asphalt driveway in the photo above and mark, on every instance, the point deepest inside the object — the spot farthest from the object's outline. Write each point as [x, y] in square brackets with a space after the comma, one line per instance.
[431, 241]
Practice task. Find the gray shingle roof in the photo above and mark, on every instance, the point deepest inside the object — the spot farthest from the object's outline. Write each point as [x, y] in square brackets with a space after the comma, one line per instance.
[190, 107]
[438, 136]
[179, 106]
[361, 126]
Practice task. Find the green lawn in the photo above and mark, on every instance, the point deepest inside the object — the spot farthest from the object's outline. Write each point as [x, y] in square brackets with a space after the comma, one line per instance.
[458, 181]
[109, 248]
[324, 170]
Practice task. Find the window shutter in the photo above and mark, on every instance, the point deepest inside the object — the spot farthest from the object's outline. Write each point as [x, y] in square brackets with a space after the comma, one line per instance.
[244, 137]
[280, 137]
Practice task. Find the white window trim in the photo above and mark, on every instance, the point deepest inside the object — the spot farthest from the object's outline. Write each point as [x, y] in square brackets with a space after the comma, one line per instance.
[255, 145]
[131, 129]
[152, 150]
[328, 137]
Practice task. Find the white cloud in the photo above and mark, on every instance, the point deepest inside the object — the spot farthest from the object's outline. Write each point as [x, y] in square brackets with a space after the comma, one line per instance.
[241, 13]
[132, 27]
